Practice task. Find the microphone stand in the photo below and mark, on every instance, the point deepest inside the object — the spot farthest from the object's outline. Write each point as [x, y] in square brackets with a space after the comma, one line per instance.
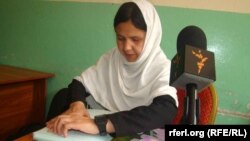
[191, 105]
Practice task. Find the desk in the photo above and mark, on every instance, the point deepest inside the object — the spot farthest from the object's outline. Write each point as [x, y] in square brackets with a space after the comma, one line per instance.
[22, 98]
[28, 137]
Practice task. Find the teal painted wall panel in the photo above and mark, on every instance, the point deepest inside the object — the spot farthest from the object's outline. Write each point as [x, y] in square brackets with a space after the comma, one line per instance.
[65, 38]
[61, 38]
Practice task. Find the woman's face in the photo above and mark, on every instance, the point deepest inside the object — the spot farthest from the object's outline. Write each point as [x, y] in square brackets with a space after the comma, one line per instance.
[130, 40]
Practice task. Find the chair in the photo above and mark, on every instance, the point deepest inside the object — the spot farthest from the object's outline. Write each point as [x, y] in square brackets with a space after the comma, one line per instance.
[208, 106]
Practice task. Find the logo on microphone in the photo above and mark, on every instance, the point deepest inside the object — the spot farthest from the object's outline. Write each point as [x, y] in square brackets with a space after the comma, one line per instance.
[202, 60]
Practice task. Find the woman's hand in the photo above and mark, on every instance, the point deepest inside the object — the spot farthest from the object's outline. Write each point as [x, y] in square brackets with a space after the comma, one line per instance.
[77, 108]
[63, 123]
[76, 117]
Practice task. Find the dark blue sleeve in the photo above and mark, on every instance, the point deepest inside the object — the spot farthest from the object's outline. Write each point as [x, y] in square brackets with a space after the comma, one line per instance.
[145, 118]
[77, 91]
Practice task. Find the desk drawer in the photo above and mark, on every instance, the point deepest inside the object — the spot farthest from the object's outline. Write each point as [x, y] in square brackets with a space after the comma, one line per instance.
[16, 107]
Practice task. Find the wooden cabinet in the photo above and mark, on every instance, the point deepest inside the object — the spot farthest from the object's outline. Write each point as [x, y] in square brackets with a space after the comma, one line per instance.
[22, 98]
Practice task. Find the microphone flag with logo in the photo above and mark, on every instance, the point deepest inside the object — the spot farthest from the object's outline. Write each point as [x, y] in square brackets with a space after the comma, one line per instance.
[192, 69]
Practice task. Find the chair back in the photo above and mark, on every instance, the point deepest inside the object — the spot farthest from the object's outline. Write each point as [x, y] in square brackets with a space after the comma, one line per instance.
[208, 106]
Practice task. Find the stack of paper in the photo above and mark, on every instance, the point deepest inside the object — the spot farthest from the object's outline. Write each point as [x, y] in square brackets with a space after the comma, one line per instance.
[44, 135]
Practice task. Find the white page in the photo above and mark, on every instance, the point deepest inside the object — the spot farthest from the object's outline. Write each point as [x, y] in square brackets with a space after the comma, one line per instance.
[44, 135]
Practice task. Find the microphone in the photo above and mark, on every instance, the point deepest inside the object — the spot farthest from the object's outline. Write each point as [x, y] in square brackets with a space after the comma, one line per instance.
[192, 69]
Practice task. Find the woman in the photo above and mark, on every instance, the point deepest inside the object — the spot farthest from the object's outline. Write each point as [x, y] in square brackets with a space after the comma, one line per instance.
[131, 80]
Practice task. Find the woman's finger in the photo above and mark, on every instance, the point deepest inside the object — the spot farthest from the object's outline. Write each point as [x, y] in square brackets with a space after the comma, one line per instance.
[62, 122]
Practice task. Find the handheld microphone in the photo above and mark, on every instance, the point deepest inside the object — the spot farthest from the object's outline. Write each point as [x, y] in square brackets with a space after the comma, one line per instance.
[192, 69]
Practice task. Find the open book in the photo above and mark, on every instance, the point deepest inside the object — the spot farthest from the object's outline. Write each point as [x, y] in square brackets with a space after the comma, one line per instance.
[44, 135]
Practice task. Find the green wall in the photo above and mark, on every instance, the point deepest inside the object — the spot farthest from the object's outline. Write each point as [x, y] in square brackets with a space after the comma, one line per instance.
[65, 38]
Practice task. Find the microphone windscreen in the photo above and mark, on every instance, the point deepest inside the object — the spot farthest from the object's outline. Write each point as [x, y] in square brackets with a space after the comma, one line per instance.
[193, 36]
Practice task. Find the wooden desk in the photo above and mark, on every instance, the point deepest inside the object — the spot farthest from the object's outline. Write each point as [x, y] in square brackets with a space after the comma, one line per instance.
[28, 137]
[22, 98]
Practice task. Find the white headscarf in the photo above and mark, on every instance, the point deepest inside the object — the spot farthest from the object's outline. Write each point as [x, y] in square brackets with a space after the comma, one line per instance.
[120, 85]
